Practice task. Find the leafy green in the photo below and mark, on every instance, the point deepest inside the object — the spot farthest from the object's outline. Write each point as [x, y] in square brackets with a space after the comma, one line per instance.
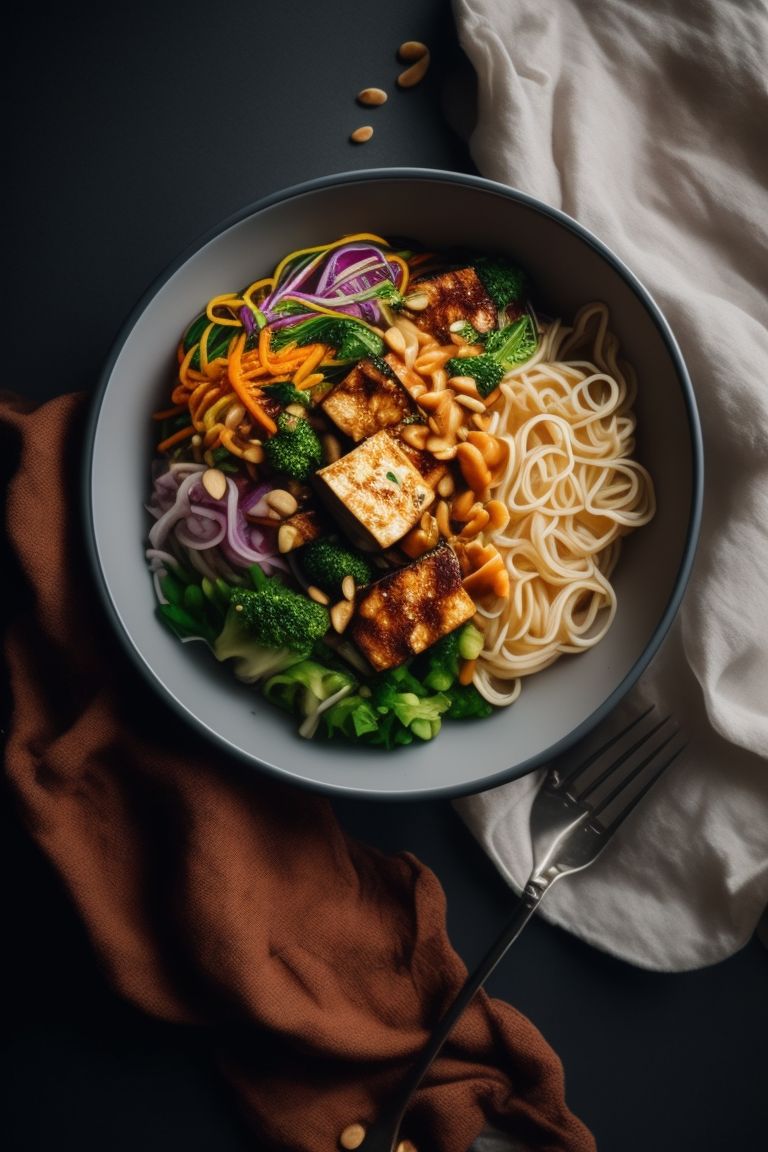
[504, 348]
[350, 339]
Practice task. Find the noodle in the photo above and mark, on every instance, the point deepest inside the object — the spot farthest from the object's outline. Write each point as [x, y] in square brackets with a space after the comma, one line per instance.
[572, 490]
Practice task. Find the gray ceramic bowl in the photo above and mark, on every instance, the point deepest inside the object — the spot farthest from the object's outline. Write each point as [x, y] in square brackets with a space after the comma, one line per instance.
[570, 267]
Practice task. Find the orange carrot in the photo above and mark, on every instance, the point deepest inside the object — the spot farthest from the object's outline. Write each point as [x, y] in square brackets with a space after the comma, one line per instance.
[246, 397]
[176, 438]
[167, 413]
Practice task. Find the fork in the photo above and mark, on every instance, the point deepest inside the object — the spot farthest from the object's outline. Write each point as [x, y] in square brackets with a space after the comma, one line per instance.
[570, 826]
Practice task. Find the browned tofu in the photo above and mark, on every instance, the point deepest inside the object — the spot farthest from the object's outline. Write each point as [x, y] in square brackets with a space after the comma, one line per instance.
[410, 609]
[299, 529]
[367, 400]
[430, 468]
[375, 492]
[409, 379]
[457, 295]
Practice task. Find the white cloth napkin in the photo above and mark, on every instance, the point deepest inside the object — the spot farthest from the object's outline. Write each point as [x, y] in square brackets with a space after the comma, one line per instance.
[647, 123]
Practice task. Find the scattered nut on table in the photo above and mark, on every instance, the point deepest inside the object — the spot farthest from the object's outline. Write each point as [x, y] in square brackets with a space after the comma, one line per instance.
[372, 96]
[360, 135]
[411, 50]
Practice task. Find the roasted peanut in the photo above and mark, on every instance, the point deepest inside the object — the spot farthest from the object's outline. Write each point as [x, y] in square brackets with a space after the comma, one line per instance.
[473, 467]
[282, 502]
[215, 483]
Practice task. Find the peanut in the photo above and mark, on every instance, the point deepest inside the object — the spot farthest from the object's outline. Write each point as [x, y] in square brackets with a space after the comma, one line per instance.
[473, 467]
[415, 73]
[341, 614]
[498, 515]
[372, 97]
[396, 340]
[282, 502]
[215, 483]
[415, 435]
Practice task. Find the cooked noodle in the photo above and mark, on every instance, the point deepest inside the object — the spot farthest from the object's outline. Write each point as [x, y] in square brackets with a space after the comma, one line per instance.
[572, 490]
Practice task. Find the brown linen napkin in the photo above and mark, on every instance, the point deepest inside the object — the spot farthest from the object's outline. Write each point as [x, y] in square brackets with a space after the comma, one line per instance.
[229, 901]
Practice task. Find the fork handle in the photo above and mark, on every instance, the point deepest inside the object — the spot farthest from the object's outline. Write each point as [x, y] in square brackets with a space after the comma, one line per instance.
[526, 905]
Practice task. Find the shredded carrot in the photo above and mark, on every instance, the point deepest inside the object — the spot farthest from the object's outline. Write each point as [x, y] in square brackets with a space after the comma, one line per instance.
[201, 400]
[310, 381]
[167, 413]
[244, 394]
[467, 671]
[264, 338]
[309, 365]
[177, 437]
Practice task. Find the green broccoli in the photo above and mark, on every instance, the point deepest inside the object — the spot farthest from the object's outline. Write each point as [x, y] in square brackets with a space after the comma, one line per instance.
[269, 628]
[295, 449]
[304, 687]
[325, 562]
[504, 282]
[467, 703]
[504, 348]
[404, 702]
[397, 709]
[349, 338]
[440, 663]
[353, 717]
[468, 333]
[285, 393]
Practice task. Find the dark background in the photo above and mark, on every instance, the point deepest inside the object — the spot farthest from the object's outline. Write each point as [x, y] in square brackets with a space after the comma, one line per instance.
[131, 129]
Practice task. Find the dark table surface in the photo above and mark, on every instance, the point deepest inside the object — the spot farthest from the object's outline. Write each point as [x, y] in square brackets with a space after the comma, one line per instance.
[132, 129]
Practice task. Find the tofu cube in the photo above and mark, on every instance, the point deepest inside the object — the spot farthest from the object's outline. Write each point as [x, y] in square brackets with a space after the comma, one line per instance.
[428, 466]
[366, 401]
[457, 295]
[408, 610]
[375, 492]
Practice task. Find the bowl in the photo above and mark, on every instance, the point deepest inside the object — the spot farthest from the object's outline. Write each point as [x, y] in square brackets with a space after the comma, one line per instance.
[570, 267]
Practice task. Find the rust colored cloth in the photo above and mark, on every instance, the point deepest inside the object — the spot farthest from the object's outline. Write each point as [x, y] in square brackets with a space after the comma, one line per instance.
[228, 901]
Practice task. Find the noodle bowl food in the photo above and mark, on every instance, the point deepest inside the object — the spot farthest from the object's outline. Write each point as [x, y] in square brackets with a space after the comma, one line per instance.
[393, 484]
[387, 490]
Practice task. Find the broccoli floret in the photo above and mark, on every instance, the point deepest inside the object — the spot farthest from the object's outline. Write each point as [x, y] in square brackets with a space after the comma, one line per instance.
[349, 338]
[304, 687]
[326, 562]
[295, 449]
[398, 709]
[398, 694]
[511, 345]
[504, 282]
[285, 393]
[354, 717]
[269, 628]
[277, 616]
[468, 333]
[467, 703]
[439, 665]
[252, 660]
[484, 370]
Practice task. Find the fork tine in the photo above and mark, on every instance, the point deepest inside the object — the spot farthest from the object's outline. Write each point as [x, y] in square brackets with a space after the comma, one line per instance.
[622, 759]
[621, 816]
[583, 765]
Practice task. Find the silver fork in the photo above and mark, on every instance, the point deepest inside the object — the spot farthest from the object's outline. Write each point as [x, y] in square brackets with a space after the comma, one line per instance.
[570, 826]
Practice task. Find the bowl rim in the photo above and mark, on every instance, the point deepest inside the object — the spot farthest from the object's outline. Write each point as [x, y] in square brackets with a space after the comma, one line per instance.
[438, 176]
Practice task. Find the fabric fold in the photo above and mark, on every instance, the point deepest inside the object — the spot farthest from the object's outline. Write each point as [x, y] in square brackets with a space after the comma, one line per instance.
[645, 124]
[228, 901]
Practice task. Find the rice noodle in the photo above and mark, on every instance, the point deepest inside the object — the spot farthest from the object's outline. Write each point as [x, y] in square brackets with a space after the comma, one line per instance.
[572, 490]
